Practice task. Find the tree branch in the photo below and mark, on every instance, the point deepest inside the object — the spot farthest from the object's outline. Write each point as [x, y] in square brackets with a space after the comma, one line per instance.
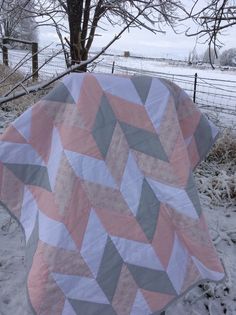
[38, 87]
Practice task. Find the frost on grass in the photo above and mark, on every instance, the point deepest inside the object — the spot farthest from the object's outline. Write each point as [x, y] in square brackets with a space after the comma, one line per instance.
[9, 79]
[13, 293]
[216, 181]
[216, 176]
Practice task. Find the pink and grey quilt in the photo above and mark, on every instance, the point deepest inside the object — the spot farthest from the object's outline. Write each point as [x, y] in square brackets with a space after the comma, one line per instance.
[99, 174]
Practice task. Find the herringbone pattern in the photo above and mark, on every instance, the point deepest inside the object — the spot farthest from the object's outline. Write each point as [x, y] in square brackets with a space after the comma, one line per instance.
[99, 173]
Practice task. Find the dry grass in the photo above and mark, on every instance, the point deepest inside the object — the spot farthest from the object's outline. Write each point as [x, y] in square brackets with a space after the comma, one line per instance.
[21, 104]
[4, 72]
[216, 176]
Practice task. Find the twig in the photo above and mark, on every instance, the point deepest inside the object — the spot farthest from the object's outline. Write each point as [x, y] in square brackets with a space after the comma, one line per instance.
[22, 85]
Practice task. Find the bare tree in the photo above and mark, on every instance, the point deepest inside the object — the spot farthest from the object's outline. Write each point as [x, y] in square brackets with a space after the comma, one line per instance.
[228, 57]
[149, 14]
[85, 17]
[15, 21]
[209, 56]
[213, 18]
[78, 67]
[193, 57]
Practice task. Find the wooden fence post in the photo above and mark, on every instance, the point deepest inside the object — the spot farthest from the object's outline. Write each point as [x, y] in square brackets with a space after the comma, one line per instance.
[195, 88]
[113, 67]
[4, 51]
[35, 61]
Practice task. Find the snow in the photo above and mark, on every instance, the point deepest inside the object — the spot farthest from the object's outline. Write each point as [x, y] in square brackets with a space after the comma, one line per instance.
[215, 89]
[13, 294]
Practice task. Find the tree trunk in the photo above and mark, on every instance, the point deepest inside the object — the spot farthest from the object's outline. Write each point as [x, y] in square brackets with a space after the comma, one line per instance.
[84, 57]
[75, 11]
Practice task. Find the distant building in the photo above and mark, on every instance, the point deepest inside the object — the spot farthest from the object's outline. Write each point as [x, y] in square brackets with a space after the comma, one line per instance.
[126, 54]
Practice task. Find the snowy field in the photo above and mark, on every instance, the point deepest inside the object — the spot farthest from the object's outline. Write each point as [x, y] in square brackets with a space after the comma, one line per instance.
[215, 89]
[215, 180]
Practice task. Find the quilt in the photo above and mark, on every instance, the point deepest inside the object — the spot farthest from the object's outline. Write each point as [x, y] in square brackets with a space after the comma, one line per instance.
[99, 173]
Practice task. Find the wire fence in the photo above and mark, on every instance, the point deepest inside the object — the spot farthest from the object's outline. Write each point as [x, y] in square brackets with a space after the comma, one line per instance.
[216, 97]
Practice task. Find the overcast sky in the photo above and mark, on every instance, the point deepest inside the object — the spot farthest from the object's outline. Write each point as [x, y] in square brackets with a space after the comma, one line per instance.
[161, 45]
[143, 42]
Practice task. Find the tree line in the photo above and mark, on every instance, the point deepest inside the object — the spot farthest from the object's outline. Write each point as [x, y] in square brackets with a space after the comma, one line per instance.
[226, 57]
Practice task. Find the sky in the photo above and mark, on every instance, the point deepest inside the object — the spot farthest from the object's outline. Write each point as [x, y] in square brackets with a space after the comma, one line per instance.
[168, 45]
[145, 43]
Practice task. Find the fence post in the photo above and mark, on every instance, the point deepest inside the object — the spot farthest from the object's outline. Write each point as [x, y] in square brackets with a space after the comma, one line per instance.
[113, 67]
[35, 61]
[5, 51]
[195, 88]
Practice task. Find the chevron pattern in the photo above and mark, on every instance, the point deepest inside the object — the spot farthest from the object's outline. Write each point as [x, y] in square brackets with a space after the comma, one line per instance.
[99, 174]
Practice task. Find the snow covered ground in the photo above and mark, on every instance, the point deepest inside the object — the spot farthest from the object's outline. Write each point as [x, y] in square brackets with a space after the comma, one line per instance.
[13, 294]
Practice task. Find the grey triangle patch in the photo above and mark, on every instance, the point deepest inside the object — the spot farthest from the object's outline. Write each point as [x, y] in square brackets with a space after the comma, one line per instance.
[203, 137]
[192, 193]
[60, 94]
[91, 308]
[110, 269]
[29, 174]
[144, 141]
[148, 210]
[152, 280]
[32, 245]
[104, 126]
[142, 85]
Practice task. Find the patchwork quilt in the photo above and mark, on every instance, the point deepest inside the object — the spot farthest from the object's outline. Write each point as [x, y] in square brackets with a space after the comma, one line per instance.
[99, 175]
